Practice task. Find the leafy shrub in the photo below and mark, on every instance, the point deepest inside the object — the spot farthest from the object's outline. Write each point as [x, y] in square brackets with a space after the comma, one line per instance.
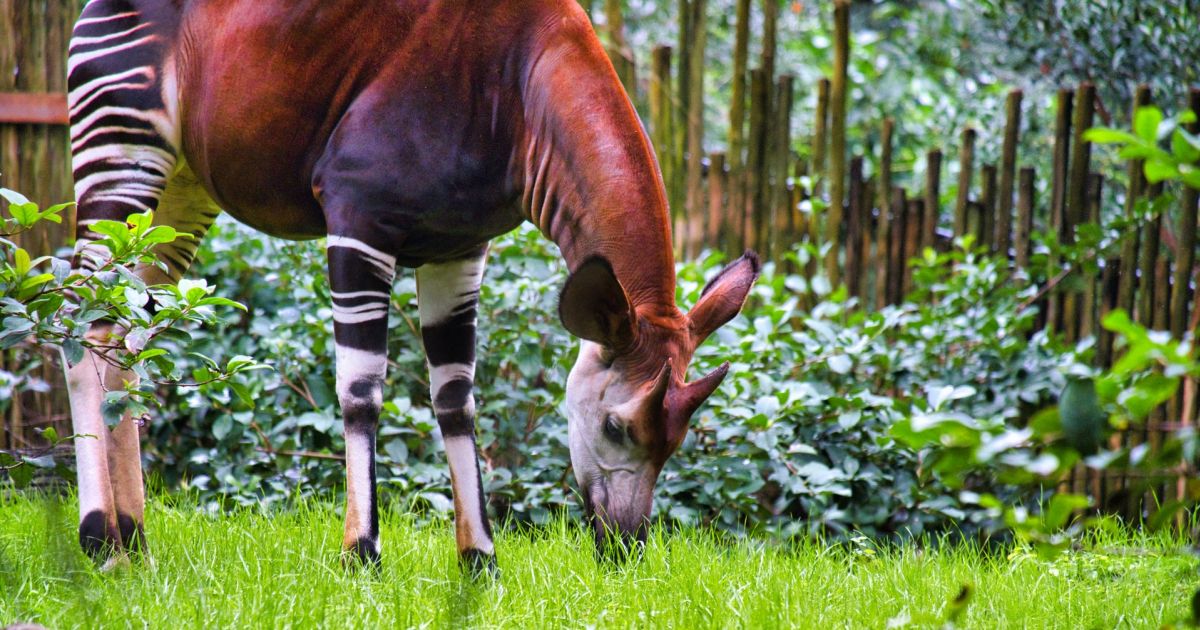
[798, 440]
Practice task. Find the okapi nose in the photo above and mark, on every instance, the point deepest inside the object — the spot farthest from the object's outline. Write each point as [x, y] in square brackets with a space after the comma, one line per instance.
[617, 542]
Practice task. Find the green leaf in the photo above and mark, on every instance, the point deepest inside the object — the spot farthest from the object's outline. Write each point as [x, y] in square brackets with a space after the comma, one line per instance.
[1159, 170]
[73, 350]
[1146, 121]
[222, 426]
[21, 261]
[1184, 149]
[1060, 508]
[1105, 135]
[220, 301]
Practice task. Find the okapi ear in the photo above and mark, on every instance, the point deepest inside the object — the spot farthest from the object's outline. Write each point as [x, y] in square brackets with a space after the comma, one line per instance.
[724, 295]
[593, 306]
[683, 401]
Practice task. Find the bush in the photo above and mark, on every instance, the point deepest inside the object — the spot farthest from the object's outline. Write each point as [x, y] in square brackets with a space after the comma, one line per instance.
[798, 440]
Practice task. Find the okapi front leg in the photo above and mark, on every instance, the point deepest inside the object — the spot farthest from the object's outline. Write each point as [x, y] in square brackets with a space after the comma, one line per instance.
[360, 279]
[447, 295]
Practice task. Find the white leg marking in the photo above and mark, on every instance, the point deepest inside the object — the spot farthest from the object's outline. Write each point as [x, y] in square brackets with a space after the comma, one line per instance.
[441, 288]
[359, 449]
[460, 451]
[91, 453]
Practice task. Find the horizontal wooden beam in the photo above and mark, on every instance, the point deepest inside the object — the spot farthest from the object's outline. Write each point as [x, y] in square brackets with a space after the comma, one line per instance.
[32, 108]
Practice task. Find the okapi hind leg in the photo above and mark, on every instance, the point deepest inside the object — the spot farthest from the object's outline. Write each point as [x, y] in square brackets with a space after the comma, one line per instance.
[360, 281]
[447, 295]
[123, 152]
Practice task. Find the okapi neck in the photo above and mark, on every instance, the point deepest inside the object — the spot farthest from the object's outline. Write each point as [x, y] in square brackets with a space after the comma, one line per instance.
[589, 177]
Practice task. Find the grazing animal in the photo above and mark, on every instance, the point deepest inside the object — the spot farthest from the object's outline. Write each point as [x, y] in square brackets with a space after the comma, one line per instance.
[406, 133]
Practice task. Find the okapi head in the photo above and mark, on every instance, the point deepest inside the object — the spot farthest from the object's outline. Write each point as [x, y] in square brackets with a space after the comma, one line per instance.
[628, 405]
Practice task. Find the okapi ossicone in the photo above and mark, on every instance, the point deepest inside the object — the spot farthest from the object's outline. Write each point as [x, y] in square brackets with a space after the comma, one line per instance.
[406, 133]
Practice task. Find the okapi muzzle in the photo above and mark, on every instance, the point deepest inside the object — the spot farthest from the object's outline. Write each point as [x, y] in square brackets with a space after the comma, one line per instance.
[625, 420]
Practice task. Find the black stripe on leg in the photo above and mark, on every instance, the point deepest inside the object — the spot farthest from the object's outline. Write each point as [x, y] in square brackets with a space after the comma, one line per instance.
[451, 405]
[451, 340]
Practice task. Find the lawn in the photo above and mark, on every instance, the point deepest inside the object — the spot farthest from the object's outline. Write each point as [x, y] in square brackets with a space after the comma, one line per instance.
[249, 571]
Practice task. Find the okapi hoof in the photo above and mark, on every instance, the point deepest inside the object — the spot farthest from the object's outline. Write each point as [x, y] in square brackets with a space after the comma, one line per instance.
[98, 537]
[362, 553]
[133, 535]
[478, 564]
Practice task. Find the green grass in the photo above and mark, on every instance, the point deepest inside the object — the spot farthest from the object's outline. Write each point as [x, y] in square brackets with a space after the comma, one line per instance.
[250, 571]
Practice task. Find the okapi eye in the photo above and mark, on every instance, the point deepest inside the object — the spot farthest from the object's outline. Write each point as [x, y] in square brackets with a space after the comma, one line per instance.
[612, 430]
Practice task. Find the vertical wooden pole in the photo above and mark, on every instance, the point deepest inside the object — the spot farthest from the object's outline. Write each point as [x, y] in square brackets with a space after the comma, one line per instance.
[770, 9]
[898, 231]
[966, 164]
[1058, 196]
[854, 225]
[717, 226]
[1185, 256]
[695, 121]
[820, 137]
[660, 112]
[912, 240]
[756, 159]
[987, 202]
[737, 124]
[684, 9]
[1025, 202]
[781, 211]
[1081, 152]
[882, 235]
[1008, 169]
[1185, 234]
[1149, 265]
[1089, 313]
[618, 48]
[933, 179]
[1127, 276]
[837, 139]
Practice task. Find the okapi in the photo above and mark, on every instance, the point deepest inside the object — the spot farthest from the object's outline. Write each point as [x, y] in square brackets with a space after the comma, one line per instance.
[406, 133]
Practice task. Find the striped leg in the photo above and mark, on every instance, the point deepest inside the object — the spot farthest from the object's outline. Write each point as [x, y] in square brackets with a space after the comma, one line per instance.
[360, 279]
[447, 295]
[123, 153]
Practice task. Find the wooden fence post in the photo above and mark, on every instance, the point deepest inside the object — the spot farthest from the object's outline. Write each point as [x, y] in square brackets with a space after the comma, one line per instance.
[837, 139]
[717, 225]
[897, 232]
[756, 159]
[966, 163]
[1058, 196]
[736, 182]
[854, 224]
[781, 211]
[1076, 209]
[1185, 253]
[1025, 202]
[933, 179]
[1008, 168]
[695, 123]
[987, 203]
[882, 236]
